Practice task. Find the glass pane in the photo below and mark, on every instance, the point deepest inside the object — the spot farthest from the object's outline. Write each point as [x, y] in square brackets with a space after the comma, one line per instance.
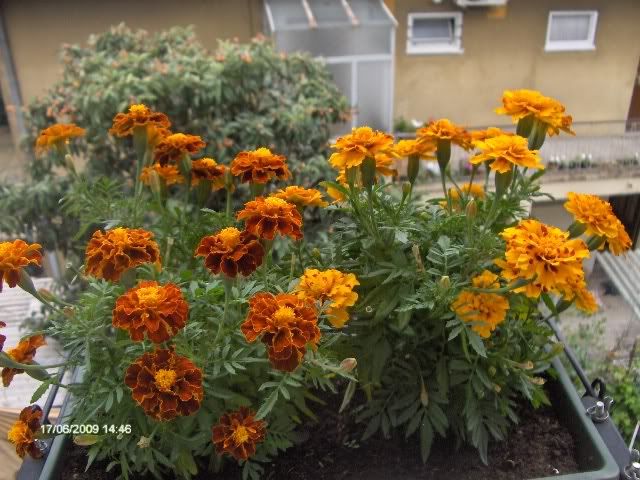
[570, 27]
[342, 77]
[338, 41]
[369, 11]
[328, 11]
[287, 14]
[432, 29]
[374, 94]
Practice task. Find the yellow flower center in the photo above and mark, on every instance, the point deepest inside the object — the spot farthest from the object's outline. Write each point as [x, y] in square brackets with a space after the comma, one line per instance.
[284, 315]
[19, 432]
[138, 108]
[208, 162]
[119, 235]
[262, 152]
[5, 249]
[165, 379]
[275, 202]
[240, 435]
[176, 137]
[149, 295]
[230, 237]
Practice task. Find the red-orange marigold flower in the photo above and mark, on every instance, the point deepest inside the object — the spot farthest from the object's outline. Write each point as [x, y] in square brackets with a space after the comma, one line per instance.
[301, 197]
[259, 166]
[264, 217]
[22, 353]
[286, 324]
[160, 311]
[169, 173]
[172, 148]
[208, 169]
[138, 116]
[237, 433]
[165, 384]
[14, 256]
[56, 136]
[113, 252]
[22, 433]
[231, 252]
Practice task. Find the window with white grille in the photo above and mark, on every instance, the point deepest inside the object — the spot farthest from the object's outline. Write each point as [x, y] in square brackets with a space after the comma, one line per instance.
[571, 30]
[433, 33]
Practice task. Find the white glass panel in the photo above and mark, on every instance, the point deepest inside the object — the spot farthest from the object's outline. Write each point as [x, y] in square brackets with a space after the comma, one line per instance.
[374, 91]
[369, 11]
[328, 11]
[567, 28]
[432, 30]
[287, 14]
[338, 41]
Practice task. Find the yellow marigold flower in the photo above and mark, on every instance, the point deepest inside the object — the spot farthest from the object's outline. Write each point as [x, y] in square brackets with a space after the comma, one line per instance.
[302, 197]
[598, 218]
[14, 256]
[110, 254]
[139, 116]
[334, 193]
[481, 135]
[208, 169]
[23, 432]
[474, 189]
[485, 310]
[444, 129]
[505, 151]
[259, 166]
[264, 217]
[56, 136]
[413, 147]
[172, 148]
[169, 173]
[361, 143]
[522, 103]
[584, 299]
[544, 255]
[330, 285]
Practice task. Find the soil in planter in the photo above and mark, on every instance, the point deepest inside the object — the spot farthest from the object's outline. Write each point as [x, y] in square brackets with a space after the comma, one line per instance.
[538, 447]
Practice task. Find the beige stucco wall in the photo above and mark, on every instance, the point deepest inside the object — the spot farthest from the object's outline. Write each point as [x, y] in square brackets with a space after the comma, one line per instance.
[37, 28]
[503, 53]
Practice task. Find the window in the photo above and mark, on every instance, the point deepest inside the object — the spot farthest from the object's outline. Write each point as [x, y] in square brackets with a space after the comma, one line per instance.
[571, 30]
[433, 33]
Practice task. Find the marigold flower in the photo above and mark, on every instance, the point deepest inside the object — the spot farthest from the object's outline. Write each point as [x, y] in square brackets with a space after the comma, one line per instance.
[172, 148]
[110, 254]
[414, 147]
[208, 169]
[231, 252]
[543, 254]
[598, 218]
[165, 384]
[264, 217]
[139, 116]
[330, 285]
[522, 103]
[474, 189]
[14, 256]
[155, 134]
[444, 129]
[301, 197]
[22, 353]
[259, 166]
[361, 143]
[505, 151]
[160, 311]
[56, 136]
[237, 433]
[22, 433]
[485, 310]
[584, 299]
[286, 324]
[169, 173]
[491, 132]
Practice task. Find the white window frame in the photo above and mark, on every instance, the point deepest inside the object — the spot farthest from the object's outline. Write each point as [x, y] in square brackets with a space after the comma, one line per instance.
[435, 49]
[572, 45]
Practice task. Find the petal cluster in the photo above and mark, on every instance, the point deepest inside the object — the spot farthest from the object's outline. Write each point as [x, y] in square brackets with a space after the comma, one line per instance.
[301, 197]
[231, 251]
[14, 256]
[139, 116]
[505, 151]
[237, 433]
[414, 147]
[169, 173]
[285, 324]
[165, 384]
[259, 166]
[444, 129]
[361, 143]
[172, 148]
[56, 136]
[475, 190]
[22, 353]
[207, 169]
[109, 254]
[523, 103]
[266, 217]
[22, 432]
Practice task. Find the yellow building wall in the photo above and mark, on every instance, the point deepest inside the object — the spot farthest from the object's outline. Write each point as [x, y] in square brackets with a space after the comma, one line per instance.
[37, 28]
[508, 53]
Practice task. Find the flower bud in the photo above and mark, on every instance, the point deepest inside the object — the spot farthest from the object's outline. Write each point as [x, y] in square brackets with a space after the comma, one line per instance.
[492, 371]
[497, 388]
[424, 396]
[595, 242]
[155, 182]
[406, 190]
[445, 281]
[315, 253]
[352, 175]
[413, 167]
[472, 209]
[415, 250]
[537, 135]
[368, 171]
[348, 364]
[503, 180]
[576, 229]
[525, 125]
[537, 380]
[557, 348]
[443, 154]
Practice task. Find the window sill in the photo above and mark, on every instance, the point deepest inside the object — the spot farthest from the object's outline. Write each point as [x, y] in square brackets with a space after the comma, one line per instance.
[439, 51]
[570, 48]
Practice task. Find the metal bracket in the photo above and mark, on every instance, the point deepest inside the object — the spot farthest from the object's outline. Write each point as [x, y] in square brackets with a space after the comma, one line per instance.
[600, 411]
[632, 471]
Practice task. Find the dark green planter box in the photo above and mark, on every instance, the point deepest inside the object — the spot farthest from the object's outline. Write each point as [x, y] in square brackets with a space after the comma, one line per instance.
[593, 455]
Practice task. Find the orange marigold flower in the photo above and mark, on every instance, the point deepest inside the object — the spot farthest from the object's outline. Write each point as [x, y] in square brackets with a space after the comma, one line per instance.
[231, 252]
[22, 353]
[444, 129]
[474, 189]
[598, 218]
[259, 166]
[208, 169]
[523, 103]
[301, 197]
[165, 384]
[139, 116]
[22, 433]
[544, 255]
[264, 217]
[361, 143]
[414, 147]
[485, 310]
[160, 311]
[56, 136]
[172, 148]
[237, 433]
[169, 173]
[286, 324]
[482, 135]
[584, 299]
[110, 254]
[14, 256]
[505, 151]
[155, 134]
[330, 285]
